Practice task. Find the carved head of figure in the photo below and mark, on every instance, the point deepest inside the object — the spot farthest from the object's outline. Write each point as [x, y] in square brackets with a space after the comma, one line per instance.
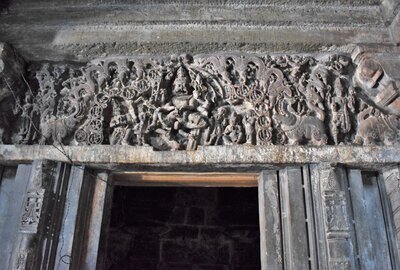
[181, 82]
[221, 114]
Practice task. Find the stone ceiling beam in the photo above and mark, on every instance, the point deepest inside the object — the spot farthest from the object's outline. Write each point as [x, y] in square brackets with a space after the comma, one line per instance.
[79, 31]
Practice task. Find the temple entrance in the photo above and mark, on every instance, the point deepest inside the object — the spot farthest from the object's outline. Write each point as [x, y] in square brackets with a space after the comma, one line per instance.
[184, 228]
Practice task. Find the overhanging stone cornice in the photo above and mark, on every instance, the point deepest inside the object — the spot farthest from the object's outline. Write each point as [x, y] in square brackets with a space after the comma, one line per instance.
[58, 30]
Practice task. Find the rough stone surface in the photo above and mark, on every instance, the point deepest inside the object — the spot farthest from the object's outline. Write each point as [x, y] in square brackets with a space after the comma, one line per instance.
[11, 197]
[184, 228]
[210, 156]
[83, 30]
[12, 85]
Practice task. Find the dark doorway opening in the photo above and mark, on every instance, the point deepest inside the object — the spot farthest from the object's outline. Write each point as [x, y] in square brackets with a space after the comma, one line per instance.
[184, 228]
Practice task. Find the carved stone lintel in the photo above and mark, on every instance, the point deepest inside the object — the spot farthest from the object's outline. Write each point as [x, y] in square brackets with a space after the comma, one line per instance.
[178, 103]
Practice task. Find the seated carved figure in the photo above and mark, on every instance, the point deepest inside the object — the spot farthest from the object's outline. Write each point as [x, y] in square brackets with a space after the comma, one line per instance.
[233, 133]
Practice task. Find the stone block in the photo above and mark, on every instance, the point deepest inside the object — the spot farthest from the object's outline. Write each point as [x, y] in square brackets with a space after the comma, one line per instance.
[212, 234]
[177, 215]
[196, 216]
[174, 266]
[145, 249]
[244, 253]
[177, 232]
[174, 251]
[211, 267]
[142, 264]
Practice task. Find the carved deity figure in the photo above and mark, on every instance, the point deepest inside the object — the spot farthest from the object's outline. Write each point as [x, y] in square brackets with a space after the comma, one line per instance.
[248, 122]
[220, 120]
[339, 106]
[233, 133]
[122, 124]
[29, 112]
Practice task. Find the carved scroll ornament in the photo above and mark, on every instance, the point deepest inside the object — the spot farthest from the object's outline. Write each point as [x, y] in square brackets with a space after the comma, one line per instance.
[181, 102]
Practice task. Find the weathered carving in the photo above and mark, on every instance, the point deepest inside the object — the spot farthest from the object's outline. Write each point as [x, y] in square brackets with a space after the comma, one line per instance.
[11, 87]
[340, 265]
[32, 210]
[375, 127]
[21, 260]
[337, 223]
[378, 86]
[181, 102]
[336, 217]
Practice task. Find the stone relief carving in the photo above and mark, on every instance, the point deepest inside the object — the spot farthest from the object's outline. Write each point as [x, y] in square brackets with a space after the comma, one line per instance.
[11, 87]
[21, 260]
[31, 211]
[181, 102]
[336, 218]
[337, 223]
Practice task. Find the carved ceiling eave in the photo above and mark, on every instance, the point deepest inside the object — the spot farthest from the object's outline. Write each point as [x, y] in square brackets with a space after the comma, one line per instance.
[184, 102]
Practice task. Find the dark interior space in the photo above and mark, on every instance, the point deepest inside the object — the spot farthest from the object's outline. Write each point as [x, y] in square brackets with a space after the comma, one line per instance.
[184, 228]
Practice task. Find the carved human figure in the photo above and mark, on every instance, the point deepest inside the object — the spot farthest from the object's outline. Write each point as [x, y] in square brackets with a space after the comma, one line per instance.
[220, 122]
[339, 106]
[121, 123]
[29, 112]
[248, 122]
[233, 133]
[140, 127]
[196, 102]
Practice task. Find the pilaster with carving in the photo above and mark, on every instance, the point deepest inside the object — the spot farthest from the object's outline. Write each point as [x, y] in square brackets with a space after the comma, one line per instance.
[391, 180]
[36, 219]
[334, 232]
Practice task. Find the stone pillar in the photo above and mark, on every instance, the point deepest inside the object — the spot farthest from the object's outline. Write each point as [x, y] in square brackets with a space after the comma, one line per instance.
[99, 219]
[270, 221]
[286, 220]
[56, 210]
[332, 210]
[391, 178]
[34, 219]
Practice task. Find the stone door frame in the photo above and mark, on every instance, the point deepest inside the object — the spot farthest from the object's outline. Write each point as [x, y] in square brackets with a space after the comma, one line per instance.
[328, 245]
